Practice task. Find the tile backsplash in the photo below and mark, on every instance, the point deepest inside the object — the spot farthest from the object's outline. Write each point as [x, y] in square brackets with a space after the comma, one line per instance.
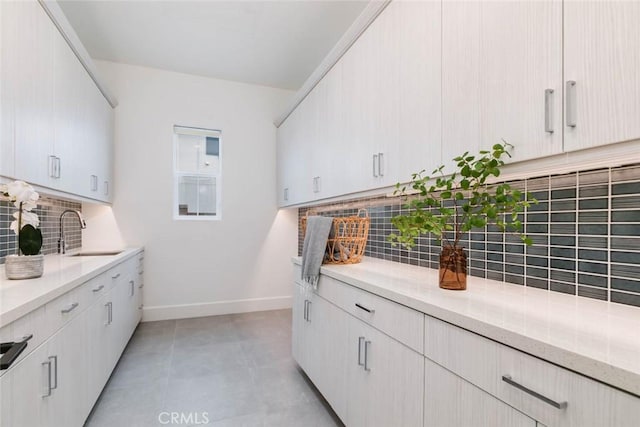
[585, 231]
[48, 210]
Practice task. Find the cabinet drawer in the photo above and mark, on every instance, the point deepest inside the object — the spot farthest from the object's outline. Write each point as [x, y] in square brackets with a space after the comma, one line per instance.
[64, 308]
[402, 323]
[33, 323]
[545, 392]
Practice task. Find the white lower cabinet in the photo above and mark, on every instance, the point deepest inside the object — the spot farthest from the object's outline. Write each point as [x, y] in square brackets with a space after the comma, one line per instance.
[544, 392]
[59, 381]
[385, 379]
[368, 378]
[451, 401]
[362, 353]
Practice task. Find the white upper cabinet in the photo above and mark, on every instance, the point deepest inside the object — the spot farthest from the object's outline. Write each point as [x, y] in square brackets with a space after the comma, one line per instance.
[602, 57]
[57, 128]
[460, 78]
[521, 76]
[27, 63]
[502, 77]
[420, 91]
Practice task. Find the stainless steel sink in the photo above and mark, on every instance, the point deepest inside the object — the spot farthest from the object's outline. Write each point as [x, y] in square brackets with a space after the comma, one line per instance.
[96, 253]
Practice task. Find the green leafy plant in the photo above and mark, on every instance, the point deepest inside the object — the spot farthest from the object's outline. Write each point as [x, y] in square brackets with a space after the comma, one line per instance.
[449, 206]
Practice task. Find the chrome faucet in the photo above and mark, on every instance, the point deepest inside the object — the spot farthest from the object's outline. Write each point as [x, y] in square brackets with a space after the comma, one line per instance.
[62, 245]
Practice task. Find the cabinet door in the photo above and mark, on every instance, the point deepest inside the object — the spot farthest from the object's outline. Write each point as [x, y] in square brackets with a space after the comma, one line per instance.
[6, 105]
[499, 60]
[27, 61]
[300, 327]
[327, 352]
[420, 114]
[71, 132]
[69, 404]
[602, 57]
[98, 347]
[23, 389]
[520, 64]
[451, 401]
[460, 78]
[385, 380]
[292, 161]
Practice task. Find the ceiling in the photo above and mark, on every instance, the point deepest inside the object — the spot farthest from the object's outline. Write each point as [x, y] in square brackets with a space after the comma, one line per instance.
[270, 43]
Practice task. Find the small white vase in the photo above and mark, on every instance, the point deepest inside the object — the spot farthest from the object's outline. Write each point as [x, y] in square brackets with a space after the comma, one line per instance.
[19, 267]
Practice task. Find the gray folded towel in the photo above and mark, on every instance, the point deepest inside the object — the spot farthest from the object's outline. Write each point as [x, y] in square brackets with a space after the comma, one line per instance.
[313, 248]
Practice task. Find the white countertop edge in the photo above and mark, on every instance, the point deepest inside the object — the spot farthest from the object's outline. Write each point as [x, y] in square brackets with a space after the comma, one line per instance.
[601, 370]
[8, 316]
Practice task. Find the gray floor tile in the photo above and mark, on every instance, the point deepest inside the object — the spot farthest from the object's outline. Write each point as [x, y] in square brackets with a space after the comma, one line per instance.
[236, 368]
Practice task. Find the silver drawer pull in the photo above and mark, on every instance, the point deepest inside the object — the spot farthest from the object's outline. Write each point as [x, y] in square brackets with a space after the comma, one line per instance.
[141, 286]
[98, 289]
[55, 372]
[560, 405]
[548, 110]
[116, 276]
[141, 272]
[48, 365]
[368, 310]
[570, 100]
[366, 355]
[360, 339]
[70, 308]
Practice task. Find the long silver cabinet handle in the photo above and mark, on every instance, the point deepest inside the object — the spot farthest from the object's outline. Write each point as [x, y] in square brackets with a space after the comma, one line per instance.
[570, 96]
[70, 308]
[58, 167]
[309, 311]
[305, 309]
[52, 166]
[548, 110]
[55, 372]
[360, 340]
[381, 164]
[132, 283]
[366, 355]
[560, 405]
[98, 289]
[368, 310]
[375, 160]
[109, 306]
[48, 393]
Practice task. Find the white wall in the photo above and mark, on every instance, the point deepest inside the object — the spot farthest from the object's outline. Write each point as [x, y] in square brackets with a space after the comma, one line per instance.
[197, 268]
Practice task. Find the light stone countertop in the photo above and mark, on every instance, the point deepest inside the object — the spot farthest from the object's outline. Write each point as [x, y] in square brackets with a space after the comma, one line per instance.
[62, 273]
[596, 338]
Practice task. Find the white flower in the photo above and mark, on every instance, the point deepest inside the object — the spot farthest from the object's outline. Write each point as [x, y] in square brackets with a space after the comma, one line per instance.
[27, 218]
[21, 192]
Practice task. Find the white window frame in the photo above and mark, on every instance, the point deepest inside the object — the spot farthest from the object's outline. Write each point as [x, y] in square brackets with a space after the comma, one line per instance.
[177, 174]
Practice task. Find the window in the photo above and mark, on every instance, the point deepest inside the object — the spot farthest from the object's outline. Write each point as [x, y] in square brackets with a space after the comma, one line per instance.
[197, 173]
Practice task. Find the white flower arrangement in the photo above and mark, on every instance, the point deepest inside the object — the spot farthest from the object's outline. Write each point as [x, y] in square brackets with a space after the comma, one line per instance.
[25, 199]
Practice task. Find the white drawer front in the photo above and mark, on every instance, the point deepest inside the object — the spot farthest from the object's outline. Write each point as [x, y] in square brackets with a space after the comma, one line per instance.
[67, 306]
[402, 323]
[588, 402]
[530, 385]
[33, 323]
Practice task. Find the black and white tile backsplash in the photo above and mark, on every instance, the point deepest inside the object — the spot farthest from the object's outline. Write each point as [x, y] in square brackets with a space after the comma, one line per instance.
[48, 210]
[585, 231]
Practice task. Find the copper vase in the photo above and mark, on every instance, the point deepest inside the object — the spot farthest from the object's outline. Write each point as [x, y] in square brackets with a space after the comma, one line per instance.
[453, 268]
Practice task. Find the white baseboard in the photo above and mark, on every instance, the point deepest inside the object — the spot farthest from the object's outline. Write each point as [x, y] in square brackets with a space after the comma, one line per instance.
[184, 311]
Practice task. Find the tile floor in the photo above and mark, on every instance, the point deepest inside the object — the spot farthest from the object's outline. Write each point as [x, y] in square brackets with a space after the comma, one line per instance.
[237, 368]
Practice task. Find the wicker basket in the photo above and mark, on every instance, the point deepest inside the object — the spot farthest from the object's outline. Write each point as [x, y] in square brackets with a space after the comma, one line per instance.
[348, 239]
